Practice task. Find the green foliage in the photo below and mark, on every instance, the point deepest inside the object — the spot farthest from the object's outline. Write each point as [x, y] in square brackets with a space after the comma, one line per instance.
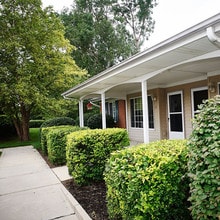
[88, 150]
[148, 181]
[43, 138]
[204, 161]
[35, 123]
[45, 129]
[53, 123]
[136, 16]
[100, 41]
[35, 62]
[58, 121]
[6, 127]
[95, 121]
[56, 143]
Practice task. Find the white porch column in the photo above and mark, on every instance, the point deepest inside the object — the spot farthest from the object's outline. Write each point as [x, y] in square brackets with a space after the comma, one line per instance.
[145, 111]
[81, 117]
[103, 111]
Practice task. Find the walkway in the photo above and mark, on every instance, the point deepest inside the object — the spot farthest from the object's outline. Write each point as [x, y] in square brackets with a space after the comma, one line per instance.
[30, 190]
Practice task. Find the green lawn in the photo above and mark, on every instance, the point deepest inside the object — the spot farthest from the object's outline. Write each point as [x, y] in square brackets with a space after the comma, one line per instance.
[14, 142]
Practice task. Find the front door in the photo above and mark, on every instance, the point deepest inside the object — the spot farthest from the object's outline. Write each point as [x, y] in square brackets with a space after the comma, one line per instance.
[175, 115]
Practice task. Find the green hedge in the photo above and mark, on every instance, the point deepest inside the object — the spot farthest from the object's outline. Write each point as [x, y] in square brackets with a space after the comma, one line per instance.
[35, 123]
[95, 121]
[58, 122]
[204, 162]
[88, 150]
[148, 182]
[43, 137]
[56, 143]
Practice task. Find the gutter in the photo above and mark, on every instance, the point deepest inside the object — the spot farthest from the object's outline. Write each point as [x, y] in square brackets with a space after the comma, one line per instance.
[213, 38]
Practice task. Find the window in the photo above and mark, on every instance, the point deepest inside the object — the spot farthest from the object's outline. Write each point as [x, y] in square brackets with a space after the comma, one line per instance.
[137, 112]
[112, 109]
[198, 96]
[219, 88]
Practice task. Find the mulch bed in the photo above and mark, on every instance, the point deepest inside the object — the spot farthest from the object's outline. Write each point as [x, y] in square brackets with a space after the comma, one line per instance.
[92, 198]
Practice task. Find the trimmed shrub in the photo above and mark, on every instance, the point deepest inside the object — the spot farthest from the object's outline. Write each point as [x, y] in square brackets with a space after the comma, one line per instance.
[58, 121]
[87, 152]
[35, 123]
[56, 143]
[148, 181]
[43, 138]
[204, 161]
[52, 123]
[7, 128]
[95, 121]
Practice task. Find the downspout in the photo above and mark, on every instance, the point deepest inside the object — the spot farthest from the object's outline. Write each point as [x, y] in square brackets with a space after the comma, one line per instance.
[214, 39]
[94, 104]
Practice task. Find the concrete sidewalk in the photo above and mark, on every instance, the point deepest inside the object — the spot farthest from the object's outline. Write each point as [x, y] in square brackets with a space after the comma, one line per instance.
[30, 190]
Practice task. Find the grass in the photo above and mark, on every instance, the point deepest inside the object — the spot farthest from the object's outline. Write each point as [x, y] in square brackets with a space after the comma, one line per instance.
[15, 142]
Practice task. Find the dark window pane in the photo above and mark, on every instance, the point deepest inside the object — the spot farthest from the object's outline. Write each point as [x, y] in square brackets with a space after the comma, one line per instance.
[176, 122]
[198, 97]
[175, 103]
[132, 112]
[150, 112]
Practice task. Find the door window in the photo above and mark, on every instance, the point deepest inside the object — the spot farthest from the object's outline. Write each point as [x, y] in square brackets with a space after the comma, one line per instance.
[175, 110]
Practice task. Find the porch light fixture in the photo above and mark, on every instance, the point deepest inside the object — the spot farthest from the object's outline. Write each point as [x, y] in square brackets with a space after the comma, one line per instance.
[211, 87]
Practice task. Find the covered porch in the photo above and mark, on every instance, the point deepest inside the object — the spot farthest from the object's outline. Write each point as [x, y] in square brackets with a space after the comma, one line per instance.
[193, 56]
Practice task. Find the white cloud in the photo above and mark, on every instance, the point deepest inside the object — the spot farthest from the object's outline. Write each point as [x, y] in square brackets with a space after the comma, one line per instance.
[174, 16]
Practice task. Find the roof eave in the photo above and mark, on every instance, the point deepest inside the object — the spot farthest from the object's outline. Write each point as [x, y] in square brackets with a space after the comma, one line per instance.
[169, 44]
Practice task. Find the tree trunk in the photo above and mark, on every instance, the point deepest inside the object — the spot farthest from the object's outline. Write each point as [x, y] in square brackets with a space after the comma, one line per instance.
[25, 116]
[17, 125]
[22, 124]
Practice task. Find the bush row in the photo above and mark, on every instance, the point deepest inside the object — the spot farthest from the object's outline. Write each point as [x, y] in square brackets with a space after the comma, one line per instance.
[58, 121]
[87, 152]
[53, 142]
[45, 128]
[148, 182]
[56, 143]
[35, 123]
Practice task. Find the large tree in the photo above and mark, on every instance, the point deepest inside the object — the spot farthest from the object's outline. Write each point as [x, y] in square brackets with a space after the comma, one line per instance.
[101, 42]
[106, 32]
[136, 15]
[35, 61]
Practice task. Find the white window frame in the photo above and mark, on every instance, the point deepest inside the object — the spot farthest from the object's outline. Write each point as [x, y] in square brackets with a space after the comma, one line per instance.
[142, 112]
[176, 134]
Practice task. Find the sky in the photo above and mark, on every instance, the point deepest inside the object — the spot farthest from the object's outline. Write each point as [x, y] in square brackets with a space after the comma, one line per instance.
[171, 16]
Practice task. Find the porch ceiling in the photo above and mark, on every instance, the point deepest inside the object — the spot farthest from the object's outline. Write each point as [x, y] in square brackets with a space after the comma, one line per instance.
[187, 56]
